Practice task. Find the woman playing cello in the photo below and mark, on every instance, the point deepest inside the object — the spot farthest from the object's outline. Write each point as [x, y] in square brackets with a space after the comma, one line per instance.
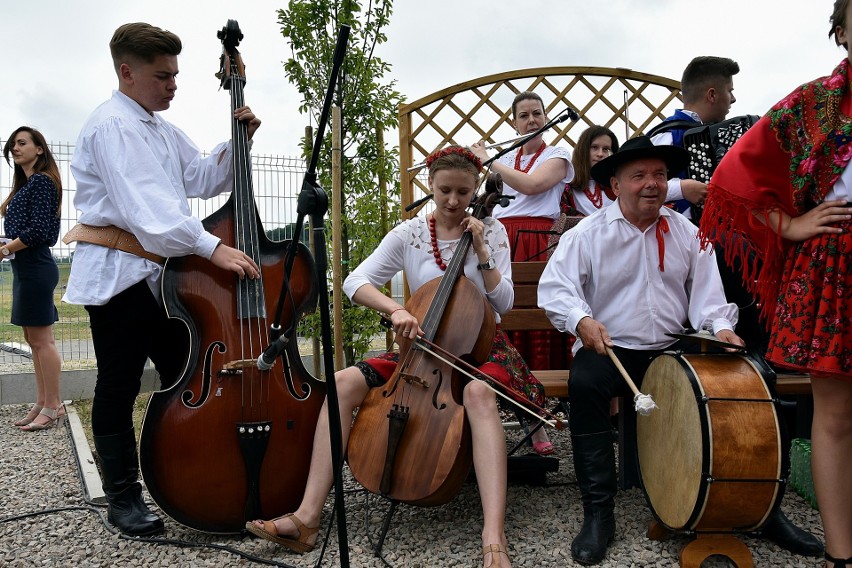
[422, 247]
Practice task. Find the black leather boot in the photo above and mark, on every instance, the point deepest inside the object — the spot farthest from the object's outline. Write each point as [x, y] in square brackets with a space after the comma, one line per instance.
[120, 470]
[594, 465]
[780, 530]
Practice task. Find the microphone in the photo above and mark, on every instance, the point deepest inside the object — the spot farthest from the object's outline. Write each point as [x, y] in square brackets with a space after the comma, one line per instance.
[271, 353]
[569, 113]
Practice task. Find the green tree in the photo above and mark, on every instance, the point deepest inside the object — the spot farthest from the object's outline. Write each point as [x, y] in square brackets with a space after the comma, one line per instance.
[369, 103]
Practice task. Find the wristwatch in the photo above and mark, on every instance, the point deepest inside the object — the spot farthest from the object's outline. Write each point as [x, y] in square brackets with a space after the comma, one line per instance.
[488, 264]
[6, 252]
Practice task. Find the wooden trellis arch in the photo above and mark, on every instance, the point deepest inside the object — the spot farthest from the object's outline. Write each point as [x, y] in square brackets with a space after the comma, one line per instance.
[481, 109]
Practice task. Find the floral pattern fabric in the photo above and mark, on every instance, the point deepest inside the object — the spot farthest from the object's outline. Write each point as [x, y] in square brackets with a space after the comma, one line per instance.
[504, 364]
[789, 161]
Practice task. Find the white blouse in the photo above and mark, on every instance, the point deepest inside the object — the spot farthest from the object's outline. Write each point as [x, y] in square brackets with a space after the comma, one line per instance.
[408, 247]
[584, 205]
[545, 204]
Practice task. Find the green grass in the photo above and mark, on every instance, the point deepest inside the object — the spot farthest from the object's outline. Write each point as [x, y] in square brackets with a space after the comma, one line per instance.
[84, 411]
[73, 320]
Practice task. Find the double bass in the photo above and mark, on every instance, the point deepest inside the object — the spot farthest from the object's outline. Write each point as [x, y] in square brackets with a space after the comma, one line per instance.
[228, 442]
[410, 441]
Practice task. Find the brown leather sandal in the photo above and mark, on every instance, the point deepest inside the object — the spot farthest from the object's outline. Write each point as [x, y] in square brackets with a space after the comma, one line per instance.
[495, 550]
[269, 532]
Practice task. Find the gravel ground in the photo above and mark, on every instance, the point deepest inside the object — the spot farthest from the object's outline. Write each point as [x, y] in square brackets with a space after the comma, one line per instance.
[44, 521]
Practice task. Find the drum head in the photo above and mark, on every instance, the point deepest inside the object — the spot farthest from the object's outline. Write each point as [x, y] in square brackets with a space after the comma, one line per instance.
[670, 443]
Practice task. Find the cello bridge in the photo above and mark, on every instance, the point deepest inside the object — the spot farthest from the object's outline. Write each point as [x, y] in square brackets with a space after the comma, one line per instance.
[414, 380]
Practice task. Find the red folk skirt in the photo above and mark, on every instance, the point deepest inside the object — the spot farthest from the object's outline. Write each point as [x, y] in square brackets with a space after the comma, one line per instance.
[529, 239]
[811, 328]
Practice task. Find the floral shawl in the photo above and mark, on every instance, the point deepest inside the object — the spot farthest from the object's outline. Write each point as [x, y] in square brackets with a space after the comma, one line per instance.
[788, 161]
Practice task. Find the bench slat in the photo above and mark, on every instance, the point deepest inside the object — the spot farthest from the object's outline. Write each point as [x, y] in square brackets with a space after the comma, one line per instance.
[525, 319]
[526, 295]
[527, 272]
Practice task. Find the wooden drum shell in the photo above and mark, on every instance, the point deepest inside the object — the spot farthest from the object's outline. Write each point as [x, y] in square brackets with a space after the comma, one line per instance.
[710, 455]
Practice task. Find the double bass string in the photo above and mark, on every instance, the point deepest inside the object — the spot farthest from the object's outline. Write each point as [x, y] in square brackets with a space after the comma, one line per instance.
[247, 241]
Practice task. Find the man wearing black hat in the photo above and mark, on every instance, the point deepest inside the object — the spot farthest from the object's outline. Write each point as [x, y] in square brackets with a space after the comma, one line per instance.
[623, 278]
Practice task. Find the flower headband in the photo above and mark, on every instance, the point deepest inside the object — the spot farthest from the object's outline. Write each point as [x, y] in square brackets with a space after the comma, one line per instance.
[463, 152]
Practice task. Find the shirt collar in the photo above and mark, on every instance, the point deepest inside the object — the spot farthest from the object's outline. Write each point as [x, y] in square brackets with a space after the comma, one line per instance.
[613, 212]
[134, 108]
[692, 114]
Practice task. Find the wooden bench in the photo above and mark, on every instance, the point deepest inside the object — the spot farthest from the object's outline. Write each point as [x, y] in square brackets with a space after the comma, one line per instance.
[525, 315]
[793, 385]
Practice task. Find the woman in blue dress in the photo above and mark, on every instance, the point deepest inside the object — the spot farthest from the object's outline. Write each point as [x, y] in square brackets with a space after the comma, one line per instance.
[31, 227]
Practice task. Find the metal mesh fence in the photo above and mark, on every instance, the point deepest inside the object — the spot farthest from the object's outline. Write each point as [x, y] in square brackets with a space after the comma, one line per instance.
[277, 181]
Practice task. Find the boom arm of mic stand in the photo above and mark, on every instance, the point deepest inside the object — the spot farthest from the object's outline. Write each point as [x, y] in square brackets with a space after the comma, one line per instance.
[561, 117]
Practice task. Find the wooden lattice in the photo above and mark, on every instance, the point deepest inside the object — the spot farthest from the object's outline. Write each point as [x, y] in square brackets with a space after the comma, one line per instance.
[481, 109]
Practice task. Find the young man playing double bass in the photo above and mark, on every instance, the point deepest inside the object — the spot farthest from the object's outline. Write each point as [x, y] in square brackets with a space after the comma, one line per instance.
[134, 173]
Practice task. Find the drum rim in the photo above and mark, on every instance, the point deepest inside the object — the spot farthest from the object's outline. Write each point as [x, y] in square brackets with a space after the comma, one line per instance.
[765, 372]
[701, 497]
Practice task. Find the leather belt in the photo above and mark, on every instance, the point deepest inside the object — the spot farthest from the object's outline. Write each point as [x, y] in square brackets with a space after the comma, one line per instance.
[111, 237]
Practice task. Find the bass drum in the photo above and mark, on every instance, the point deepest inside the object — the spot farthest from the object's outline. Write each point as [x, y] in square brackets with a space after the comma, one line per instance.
[710, 455]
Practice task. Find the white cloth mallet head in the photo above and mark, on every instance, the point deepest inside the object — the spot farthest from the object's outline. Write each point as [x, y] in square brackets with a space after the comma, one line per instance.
[644, 404]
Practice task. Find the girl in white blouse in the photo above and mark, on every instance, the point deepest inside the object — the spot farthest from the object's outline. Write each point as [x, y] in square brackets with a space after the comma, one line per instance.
[423, 247]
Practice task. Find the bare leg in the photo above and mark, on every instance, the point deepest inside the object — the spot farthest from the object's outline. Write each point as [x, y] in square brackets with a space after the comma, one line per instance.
[48, 367]
[832, 445]
[351, 391]
[489, 459]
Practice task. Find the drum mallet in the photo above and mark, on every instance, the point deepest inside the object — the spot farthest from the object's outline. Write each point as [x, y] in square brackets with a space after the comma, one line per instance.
[643, 403]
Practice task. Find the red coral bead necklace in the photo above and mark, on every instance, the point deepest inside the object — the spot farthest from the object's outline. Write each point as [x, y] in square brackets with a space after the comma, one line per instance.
[532, 161]
[436, 252]
[596, 197]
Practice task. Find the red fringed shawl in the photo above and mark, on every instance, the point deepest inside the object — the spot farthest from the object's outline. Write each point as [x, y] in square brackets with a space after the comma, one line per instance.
[788, 161]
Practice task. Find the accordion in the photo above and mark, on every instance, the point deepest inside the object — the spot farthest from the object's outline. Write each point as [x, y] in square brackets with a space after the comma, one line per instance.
[707, 144]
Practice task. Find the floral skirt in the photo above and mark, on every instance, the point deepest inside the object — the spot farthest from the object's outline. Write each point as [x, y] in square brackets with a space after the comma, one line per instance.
[504, 364]
[811, 328]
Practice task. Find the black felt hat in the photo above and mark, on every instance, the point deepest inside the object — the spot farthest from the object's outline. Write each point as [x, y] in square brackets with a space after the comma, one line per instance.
[676, 159]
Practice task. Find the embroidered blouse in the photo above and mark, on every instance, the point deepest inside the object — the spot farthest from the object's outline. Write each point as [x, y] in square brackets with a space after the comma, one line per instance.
[408, 247]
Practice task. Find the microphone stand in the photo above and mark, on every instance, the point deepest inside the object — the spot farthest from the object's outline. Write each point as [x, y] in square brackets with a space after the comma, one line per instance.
[313, 201]
[561, 117]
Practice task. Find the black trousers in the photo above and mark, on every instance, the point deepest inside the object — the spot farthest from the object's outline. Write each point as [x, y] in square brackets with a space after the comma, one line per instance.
[595, 380]
[126, 331]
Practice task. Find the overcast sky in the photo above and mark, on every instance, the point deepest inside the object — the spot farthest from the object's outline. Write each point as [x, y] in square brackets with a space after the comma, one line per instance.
[58, 66]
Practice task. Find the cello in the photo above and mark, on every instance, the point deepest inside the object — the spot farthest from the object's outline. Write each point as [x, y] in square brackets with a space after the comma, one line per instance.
[228, 442]
[410, 441]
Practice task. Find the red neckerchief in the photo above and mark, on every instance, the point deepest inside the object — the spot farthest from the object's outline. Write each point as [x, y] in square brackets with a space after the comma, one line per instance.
[662, 228]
